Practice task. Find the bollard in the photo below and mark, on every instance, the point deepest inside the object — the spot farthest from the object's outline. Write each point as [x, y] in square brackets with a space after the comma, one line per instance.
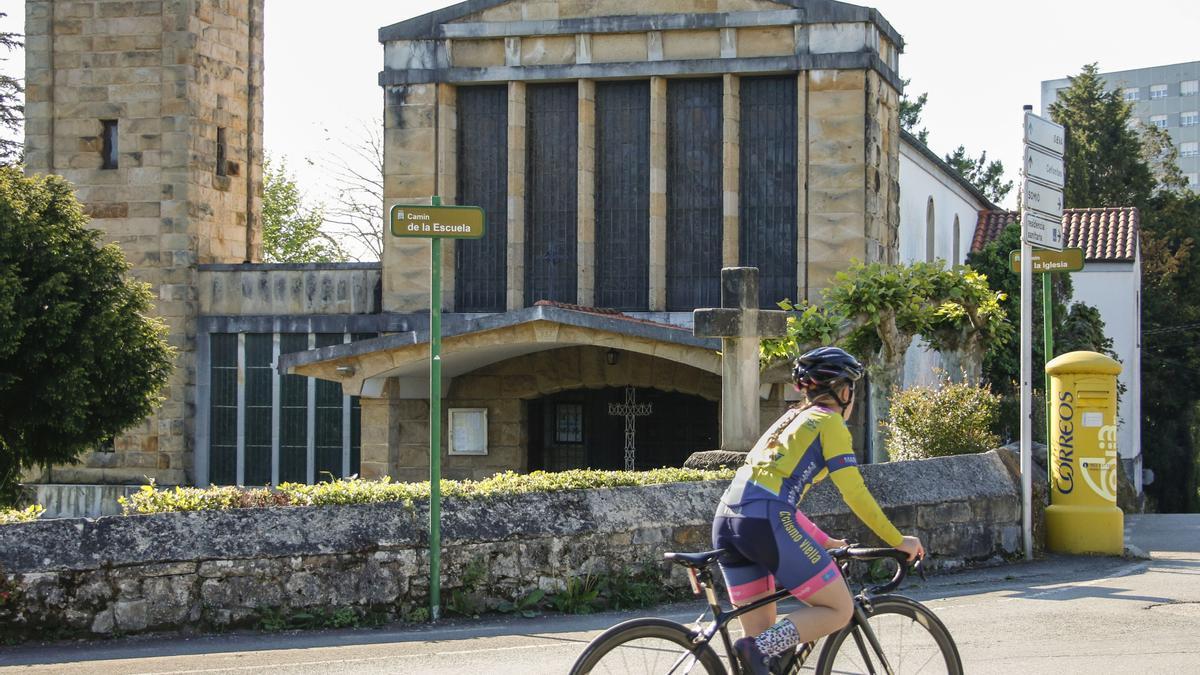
[1083, 516]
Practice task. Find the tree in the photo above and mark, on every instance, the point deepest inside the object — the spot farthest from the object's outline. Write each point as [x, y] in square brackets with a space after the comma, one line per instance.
[80, 357]
[355, 170]
[291, 230]
[875, 311]
[11, 110]
[987, 176]
[910, 113]
[1104, 163]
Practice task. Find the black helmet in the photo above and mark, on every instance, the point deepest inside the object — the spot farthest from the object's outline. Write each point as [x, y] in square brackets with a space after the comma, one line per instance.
[824, 367]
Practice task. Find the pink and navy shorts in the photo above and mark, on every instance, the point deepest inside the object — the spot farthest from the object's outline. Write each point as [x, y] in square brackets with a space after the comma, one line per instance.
[769, 543]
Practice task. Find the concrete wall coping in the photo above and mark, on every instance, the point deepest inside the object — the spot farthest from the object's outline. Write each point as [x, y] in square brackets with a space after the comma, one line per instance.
[288, 267]
[115, 541]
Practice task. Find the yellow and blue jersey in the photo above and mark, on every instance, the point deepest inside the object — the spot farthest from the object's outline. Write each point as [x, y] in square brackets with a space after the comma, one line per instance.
[783, 467]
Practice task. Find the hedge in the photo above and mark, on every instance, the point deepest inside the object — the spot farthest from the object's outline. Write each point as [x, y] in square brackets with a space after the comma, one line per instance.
[25, 515]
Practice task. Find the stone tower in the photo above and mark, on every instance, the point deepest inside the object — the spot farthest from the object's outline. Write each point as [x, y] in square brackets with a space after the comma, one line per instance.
[153, 109]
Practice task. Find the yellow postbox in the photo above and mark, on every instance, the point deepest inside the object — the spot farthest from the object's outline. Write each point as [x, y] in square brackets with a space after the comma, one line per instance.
[1083, 516]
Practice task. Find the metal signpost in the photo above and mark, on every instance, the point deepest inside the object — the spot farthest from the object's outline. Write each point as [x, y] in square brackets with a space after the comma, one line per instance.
[436, 222]
[1041, 224]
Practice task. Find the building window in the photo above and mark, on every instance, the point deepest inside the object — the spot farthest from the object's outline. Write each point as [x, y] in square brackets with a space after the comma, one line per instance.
[1193, 180]
[468, 431]
[222, 151]
[1158, 91]
[1189, 149]
[1189, 87]
[1130, 94]
[568, 423]
[108, 149]
[957, 241]
[1189, 119]
[1159, 121]
[929, 230]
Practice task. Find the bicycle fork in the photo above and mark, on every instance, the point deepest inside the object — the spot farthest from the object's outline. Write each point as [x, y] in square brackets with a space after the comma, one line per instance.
[858, 628]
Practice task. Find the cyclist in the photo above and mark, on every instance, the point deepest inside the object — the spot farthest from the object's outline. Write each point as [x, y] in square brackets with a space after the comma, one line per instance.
[768, 541]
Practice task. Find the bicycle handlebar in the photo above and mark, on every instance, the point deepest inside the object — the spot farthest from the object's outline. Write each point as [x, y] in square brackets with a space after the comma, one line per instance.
[853, 552]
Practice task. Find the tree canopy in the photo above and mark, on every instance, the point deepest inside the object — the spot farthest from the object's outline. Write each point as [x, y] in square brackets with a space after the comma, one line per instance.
[11, 110]
[80, 357]
[910, 112]
[292, 230]
[985, 175]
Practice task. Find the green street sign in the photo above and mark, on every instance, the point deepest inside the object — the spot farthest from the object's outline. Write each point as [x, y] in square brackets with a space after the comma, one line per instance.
[1046, 260]
[442, 222]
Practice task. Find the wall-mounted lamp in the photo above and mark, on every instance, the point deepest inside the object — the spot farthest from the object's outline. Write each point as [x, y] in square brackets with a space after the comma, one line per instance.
[611, 357]
[345, 371]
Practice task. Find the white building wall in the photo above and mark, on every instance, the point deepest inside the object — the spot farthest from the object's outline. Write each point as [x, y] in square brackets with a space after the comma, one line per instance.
[923, 181]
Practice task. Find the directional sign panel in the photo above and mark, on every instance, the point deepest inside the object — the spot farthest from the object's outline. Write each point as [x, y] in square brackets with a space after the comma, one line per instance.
[1043, 167]
[452, 222]
[1041, 198]
[1045, 134]
[1042, 231]
[1066, 260]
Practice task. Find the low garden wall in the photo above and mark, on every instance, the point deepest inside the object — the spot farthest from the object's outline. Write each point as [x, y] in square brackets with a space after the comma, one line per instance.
[246, 567]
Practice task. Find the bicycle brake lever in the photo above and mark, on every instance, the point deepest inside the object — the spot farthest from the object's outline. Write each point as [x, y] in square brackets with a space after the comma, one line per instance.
[919, 566]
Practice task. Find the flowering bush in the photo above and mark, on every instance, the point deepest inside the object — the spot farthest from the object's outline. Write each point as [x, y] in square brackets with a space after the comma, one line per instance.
[151, 499]
[26, 515]
[949, 419]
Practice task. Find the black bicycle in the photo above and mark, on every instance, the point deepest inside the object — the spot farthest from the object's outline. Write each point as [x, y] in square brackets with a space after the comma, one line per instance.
[888, 634]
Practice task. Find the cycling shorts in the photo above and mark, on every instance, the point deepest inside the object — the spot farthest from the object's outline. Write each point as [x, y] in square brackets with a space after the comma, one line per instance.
[775, 545]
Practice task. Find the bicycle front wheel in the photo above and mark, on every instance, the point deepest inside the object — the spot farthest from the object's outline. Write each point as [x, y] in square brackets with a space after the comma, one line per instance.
[911, 638]
[644, 646]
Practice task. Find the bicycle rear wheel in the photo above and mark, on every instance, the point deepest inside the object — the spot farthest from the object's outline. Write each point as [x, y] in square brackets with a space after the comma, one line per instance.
[912, 639]
[644, 646]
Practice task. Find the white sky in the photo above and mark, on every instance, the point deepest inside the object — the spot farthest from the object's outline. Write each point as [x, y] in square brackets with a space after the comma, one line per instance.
[979, 62]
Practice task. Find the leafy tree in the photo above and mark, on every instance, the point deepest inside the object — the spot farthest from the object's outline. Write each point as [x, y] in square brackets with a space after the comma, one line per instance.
[291, 230]
[11, 110]
[1104, 163]
[910, 113]
[875, 311]
[80, 357]
[985, 175]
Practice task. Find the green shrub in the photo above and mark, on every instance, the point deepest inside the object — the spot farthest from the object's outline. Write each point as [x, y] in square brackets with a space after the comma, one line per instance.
[151, 499]
[949, 419]
[25, 515]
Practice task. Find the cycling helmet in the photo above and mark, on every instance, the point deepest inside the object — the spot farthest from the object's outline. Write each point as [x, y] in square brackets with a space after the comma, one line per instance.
[820, 371]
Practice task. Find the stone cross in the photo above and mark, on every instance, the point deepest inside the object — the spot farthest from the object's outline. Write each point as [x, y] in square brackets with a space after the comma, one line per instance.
[741, 325]
[631, 410]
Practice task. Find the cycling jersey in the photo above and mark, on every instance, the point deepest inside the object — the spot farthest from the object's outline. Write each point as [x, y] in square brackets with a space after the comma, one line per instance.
[814, 444]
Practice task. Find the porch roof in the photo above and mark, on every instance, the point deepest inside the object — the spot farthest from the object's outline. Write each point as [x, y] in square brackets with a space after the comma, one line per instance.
[468, 344]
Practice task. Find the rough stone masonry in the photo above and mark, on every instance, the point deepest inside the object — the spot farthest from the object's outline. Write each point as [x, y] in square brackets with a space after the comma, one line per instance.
[215, 569]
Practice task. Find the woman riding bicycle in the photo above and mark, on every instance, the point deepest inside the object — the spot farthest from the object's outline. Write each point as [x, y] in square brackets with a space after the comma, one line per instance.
[768, 541]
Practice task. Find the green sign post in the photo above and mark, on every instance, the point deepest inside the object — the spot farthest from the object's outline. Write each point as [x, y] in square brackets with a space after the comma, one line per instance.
[1045, 262]
[436, 223]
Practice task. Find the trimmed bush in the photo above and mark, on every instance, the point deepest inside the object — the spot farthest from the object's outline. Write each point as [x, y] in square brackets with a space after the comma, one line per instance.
[25, 515]
[151, 499]
[952, 418]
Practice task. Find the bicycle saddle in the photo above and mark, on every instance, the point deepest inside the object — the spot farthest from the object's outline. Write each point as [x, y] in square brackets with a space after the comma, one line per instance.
[695, 560]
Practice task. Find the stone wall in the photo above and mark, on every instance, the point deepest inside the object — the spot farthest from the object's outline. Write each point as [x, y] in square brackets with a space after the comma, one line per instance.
[170, 73]
[289, 289]
[216, 569]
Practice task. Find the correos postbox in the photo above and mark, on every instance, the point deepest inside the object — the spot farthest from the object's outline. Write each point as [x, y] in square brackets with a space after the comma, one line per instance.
[1083, 516]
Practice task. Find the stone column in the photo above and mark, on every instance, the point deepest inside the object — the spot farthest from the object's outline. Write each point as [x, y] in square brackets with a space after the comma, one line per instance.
[516, 195]
[731, 110]
[586, 190]
[883, 170]
[658, 194]
[380, 435]
[408, 159]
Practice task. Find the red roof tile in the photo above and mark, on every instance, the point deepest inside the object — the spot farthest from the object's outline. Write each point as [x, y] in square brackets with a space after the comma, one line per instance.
[1105, 235]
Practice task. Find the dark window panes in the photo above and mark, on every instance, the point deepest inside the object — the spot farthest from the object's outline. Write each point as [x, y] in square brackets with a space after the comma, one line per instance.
[551, 164]
[293, 416]
[694, 193]
[259, 380]
[481, 265]
[568, 423]
[623, 195]
[223, 376]
[109, 147]
[328, 420]
[768, 188]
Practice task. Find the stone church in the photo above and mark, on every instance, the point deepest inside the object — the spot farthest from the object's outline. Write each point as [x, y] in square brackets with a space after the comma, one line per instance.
[623, 152]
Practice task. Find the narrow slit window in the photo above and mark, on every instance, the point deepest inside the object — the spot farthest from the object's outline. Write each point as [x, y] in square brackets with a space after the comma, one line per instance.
[108, 151]
[221, 152]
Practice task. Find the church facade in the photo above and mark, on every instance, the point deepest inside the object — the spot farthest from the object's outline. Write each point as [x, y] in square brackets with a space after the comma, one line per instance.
[623, 153]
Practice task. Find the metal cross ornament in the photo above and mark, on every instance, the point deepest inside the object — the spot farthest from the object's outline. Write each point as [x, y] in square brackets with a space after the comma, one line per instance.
[630, 410]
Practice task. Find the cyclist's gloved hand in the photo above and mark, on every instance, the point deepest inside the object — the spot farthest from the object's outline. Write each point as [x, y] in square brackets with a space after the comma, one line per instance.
[913, 547]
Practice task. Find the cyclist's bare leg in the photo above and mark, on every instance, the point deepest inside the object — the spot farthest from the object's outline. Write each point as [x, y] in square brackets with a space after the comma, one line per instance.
[828, 610]
[760, 619]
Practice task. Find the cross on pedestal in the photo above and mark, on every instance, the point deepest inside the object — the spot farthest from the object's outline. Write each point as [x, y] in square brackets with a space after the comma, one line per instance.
[741, 325]
[631, 410]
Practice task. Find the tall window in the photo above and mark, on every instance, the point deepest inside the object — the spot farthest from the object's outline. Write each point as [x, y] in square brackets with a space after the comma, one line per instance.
[1189, 119]
[930, 230]
[1159, 121]
[1158, 91]
[551, 188]
[623, 195]
[222, 151]
[108, 147]
[1189, 87]
[481, 277]
[955, 254]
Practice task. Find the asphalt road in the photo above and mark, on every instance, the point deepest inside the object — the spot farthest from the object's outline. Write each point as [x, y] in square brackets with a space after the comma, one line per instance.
[1059, 615]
